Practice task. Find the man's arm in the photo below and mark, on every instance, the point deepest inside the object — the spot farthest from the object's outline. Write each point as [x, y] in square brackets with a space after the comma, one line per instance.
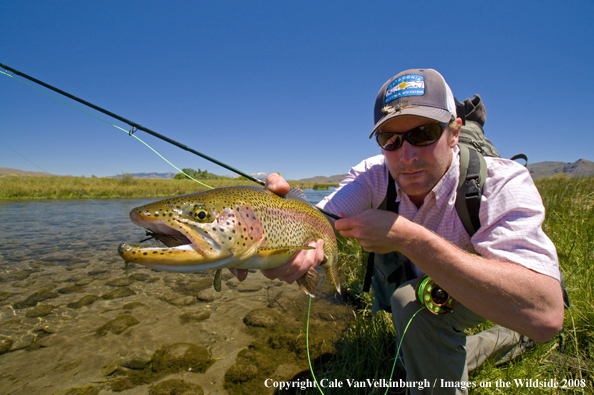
[509, 294]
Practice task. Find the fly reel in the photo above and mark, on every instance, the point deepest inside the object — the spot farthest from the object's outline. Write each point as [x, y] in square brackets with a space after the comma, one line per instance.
[433, 297]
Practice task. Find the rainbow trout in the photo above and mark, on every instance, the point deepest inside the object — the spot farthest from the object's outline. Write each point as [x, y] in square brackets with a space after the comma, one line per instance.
[242, 227]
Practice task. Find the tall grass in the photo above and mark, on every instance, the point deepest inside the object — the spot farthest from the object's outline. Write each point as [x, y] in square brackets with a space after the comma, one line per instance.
[367, 348]
[26, 187]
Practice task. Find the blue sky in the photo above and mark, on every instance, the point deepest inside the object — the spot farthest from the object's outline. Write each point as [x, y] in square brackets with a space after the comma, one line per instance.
[282, 86]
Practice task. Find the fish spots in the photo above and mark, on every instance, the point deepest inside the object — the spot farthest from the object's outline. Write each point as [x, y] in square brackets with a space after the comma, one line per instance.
[241, 218]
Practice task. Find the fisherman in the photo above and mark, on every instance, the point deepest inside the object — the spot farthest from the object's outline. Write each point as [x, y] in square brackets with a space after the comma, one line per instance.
[507, 272]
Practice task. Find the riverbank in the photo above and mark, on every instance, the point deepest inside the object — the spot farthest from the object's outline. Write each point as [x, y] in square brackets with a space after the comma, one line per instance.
[14, 187]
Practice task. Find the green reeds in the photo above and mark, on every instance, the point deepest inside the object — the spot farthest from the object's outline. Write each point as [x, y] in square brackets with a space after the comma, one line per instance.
[14, 187]
[25, 187]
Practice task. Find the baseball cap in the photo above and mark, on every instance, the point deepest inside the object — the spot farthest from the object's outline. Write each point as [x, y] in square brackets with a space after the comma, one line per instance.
[419, 92]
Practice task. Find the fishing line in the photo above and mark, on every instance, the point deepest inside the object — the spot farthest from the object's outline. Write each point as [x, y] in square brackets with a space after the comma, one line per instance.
[138, 127]
[395, 359]
[131, 132]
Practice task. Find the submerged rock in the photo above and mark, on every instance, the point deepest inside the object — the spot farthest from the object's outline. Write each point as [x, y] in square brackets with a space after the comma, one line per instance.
[118, 325]
[182, 357]
[40, 311]
[191, 287]
[176, 387]
[208, 295]
[43, 294]
[5, 344]
[79, 265]
[133, 305]
[140, 277]
[248, 287]
[23, 342]
[120, 282]
[137, 361]
[84, 281]
[84, 301]
[178, 300]
[194, 316]
[6, 295]
[110, 367]
[71, 289]
[240, 373]
[86, 390]
[118, 293]
[264, 318]
[16, 276]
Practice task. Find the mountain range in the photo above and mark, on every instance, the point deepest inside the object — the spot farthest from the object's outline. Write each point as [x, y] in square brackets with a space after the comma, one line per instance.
[579, 168]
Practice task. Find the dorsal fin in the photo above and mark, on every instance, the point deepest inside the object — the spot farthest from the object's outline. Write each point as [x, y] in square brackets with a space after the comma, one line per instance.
[298, 193]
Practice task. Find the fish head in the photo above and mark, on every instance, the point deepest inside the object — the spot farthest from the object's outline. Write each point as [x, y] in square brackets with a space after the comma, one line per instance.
[200, 231]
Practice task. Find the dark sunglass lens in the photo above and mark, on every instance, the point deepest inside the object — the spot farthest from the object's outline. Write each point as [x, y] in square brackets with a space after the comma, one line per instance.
[425, 135]
[389, 141]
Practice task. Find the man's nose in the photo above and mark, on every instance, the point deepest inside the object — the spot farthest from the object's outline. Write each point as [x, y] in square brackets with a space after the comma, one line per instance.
[408, 152]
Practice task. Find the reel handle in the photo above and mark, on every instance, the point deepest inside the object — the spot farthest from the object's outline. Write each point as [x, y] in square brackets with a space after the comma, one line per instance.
[433, 297]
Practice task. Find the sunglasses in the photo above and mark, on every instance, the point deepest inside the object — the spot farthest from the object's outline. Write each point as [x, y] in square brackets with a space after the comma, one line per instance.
[419, 137]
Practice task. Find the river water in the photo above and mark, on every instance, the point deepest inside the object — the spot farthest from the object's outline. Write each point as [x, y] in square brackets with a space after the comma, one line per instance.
[73, 320]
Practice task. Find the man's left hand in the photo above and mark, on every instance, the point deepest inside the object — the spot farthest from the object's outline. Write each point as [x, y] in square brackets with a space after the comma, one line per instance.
[373, 229]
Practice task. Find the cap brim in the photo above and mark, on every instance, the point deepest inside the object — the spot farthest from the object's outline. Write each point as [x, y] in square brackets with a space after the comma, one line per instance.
[432, 113]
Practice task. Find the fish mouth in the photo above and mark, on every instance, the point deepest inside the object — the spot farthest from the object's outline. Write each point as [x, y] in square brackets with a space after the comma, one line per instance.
[170, 240]
[185, 247]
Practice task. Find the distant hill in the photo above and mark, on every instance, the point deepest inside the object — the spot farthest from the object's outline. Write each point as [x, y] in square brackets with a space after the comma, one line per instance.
[579, 168]
[322, 179]
[8, 170]
[149, 175]
[259, 176]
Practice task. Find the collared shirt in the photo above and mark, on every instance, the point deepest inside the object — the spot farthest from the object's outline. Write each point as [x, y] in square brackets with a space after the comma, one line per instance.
[511, 212]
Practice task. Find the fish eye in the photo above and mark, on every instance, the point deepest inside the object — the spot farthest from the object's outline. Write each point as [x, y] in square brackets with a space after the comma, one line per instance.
[201, 214]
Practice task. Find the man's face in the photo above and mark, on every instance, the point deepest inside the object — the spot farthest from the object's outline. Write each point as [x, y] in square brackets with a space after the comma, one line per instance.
[417, 170]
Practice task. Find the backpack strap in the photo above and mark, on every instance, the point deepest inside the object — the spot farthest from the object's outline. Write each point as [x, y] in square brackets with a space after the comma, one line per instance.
[473, 172]
[389, 204]
[520, 156]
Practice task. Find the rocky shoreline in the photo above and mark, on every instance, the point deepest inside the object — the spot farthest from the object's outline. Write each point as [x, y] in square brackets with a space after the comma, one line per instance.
[79, 327]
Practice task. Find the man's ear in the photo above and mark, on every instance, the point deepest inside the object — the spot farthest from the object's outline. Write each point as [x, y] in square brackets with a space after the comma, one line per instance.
[454, 128]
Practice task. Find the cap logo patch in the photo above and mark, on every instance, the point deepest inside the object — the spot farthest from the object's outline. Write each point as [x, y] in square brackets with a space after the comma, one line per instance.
[406, 85]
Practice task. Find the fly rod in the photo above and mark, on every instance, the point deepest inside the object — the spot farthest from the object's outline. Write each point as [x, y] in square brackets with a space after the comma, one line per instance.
[136, 126]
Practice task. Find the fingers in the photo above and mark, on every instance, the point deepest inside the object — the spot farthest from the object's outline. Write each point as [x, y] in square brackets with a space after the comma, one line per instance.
[277, 184]
[299, 264]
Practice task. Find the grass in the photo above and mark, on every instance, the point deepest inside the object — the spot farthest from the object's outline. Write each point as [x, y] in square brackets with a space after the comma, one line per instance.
[14, 187]
[368, 346]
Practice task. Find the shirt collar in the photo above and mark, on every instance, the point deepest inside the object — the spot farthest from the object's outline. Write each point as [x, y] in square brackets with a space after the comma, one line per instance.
[443, 191]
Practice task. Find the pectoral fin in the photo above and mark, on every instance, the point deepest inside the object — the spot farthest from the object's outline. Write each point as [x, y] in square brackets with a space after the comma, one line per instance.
[217, 280]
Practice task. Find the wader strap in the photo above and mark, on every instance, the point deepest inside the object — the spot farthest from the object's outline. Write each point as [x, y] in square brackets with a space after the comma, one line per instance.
[390, 205]
[369, 272]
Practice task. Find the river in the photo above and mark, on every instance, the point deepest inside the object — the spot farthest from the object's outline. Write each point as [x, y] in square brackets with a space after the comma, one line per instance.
[73, 320]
